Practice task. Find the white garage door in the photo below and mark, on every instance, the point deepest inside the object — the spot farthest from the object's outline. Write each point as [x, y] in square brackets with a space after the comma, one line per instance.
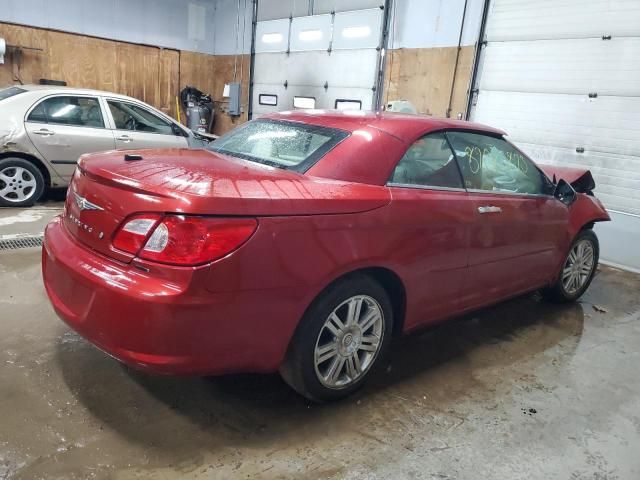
[324, 61]
[562, 77]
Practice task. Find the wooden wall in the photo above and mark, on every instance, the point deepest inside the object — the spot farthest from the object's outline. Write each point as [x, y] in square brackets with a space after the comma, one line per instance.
[209, 73]
[424, 77]
[151, 74]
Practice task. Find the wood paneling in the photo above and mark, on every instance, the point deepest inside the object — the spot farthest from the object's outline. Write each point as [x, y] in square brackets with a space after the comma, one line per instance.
[150, 74]
[209, 73]
[168, 81]
[424, 77]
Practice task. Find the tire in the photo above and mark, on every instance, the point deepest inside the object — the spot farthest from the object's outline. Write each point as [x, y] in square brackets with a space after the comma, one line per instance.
[21, 183]
[563, 291]
[340, 351]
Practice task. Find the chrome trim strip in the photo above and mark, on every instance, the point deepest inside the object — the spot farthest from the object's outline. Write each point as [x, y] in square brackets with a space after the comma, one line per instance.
[514, 194]
[424, 187]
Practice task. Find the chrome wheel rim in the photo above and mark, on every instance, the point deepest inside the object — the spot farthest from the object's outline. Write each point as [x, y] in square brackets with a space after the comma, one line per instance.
[578, 267]
[349, 341]
[17, 184]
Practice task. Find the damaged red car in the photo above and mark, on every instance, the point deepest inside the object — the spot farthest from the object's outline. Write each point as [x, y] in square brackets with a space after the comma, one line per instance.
[303, 242]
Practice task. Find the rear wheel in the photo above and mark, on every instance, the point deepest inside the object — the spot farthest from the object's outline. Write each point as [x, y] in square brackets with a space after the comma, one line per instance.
[21, 183]
[340, 340]
[578, 269]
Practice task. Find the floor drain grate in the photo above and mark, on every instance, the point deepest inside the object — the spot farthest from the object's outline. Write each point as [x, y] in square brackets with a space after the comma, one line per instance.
[22, 241]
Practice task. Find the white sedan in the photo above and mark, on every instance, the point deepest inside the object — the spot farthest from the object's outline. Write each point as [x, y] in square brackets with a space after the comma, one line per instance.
[44, 130]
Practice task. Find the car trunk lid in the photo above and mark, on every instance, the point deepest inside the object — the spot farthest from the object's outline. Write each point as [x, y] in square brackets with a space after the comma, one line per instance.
[106, 189]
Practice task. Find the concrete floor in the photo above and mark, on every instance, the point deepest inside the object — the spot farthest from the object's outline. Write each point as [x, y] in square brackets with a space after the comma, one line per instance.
[524, 390]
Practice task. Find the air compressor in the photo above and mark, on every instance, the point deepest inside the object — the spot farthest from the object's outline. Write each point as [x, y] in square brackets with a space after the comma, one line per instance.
[198, 107]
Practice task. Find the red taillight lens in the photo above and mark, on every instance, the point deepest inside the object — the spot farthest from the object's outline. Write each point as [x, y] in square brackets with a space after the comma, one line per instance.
[186, 240]
[134, 232]
[180, 239]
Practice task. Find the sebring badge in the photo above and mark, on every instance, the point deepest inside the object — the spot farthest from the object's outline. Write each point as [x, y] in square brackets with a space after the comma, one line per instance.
[84, 204]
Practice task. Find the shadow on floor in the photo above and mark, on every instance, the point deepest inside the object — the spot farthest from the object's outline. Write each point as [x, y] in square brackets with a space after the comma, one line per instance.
[180, 414]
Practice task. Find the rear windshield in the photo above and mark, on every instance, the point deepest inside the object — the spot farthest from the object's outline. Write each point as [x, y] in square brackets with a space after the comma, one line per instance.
[10, 92]
[290, 145]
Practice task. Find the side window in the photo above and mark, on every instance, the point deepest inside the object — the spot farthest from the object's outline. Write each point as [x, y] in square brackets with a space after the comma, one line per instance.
[428, 162]
[128, 116]
[492, 164]
[76, 111]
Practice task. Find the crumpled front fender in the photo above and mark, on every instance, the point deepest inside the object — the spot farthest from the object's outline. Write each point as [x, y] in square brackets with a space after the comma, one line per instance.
[585, 210]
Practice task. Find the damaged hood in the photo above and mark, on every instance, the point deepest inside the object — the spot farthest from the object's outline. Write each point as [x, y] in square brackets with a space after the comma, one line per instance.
[579, 178]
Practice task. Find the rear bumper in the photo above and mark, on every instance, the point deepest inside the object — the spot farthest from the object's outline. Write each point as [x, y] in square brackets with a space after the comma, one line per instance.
[167, 323]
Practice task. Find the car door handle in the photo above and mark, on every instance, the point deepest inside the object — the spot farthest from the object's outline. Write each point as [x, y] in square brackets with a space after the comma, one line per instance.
[125, 138]
[44, 132]
[489, 209]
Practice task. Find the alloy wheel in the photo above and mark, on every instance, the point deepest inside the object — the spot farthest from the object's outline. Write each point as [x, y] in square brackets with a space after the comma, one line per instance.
[17, 184]
[349, 342]
[578, 267]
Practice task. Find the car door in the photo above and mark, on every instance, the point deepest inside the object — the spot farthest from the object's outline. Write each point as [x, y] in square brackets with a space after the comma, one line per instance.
[517, 236]
[138, 127]
[63, 127]
[432, 214]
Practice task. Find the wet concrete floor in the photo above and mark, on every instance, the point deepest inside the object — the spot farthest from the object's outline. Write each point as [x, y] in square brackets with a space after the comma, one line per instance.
[523, 390]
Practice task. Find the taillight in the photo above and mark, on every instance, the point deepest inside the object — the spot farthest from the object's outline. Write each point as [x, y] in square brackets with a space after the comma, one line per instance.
[134, 232]
[184, 240]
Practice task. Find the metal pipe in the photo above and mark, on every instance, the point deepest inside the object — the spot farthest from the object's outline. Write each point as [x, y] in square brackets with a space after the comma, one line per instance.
[382, 57]
[476, 60]
[455, 67]
[254, 25]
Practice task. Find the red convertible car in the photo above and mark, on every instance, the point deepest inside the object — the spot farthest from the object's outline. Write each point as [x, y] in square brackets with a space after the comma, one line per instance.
[303, 242]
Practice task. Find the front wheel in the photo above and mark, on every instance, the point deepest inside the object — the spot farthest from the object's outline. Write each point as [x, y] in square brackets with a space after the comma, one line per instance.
[578, 269]
[340, 340]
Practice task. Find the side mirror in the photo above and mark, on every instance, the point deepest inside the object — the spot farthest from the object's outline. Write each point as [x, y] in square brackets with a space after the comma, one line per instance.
[565, 192]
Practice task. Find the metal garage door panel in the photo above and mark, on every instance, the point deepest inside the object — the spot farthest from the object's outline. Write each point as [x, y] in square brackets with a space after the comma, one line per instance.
[310, 33]
[285, 99]
[617, 190]
[325, 99]
[272, 36]
[563, 66]
[347, 68]
[551, 127]
[270, 68]
[274, 9]
[603, 124]
[361, 29]
[543, 19]
[328, 6]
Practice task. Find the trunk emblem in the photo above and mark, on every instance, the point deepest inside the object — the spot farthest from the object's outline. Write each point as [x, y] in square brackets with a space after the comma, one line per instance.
[84, 204]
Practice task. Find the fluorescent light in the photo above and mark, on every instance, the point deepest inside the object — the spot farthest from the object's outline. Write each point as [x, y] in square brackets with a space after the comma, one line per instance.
[272, 38]
[356, 32]
[310, 35]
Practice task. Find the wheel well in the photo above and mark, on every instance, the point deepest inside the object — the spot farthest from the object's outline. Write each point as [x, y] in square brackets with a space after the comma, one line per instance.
[30, 158]
[392, 284]
[588, 226]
